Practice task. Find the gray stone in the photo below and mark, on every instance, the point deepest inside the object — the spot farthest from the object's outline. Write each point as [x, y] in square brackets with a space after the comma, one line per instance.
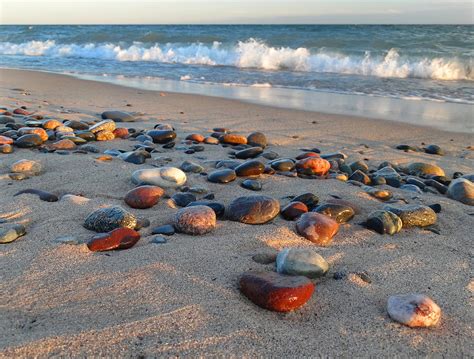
[301, 261]
[109, 218]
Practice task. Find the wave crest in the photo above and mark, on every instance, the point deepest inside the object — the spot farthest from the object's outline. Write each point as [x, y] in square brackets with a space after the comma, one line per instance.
[256, 54]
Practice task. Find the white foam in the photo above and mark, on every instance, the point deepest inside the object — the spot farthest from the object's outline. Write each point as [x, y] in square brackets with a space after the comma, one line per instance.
[256, 54]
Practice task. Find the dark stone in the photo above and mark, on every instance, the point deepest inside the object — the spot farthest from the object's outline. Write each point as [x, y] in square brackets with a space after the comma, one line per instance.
[222, 176]
[251, 152]
[117, 116]
[183, 199]
[29, 141]
[434, 150]
[257, 139]
[309, 199]
[265, 258]
[166, 230]
[360, 176]
[283, 164]
[109, 218]
[339, 212]
[253, 209]
[293, 210]
[43, 195]
[250, 168]
[162, 136]
[252, 185]
[218, 208]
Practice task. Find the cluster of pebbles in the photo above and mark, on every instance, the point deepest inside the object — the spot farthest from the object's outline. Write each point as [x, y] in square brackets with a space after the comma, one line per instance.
[291, 285]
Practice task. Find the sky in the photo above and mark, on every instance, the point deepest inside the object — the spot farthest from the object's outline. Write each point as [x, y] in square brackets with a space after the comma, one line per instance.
[236, 11]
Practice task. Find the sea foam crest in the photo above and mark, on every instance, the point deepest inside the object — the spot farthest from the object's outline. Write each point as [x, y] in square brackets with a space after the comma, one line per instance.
[256, 54]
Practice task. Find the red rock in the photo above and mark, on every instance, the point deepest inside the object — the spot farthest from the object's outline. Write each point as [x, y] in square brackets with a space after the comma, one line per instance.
[120, 132]
[306, 155]
[63, 145]
[20, 111]
[195, 137]
[313, 166]
[5, 140]
[277, 292]
[293, 210]
[317, 228]
[120, 238]
[233, 139]
[144, 196]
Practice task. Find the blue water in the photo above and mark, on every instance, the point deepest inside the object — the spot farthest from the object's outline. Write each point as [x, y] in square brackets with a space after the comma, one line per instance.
[433, 63]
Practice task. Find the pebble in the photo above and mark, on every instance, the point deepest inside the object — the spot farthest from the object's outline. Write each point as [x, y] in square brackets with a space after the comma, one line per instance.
[34, 130]
[462, 190]
[233, 139]
[106, 125]
[166, 230]
[384, 222]
[28, 167]
[5, 140]
[441, 188]
[434, 150]
[162, 136]
[339, 212]
[144, 196]
[293, 210]
[135, 157]
[257, 139]
[109, 218]
[182, 199]
[283, 164]
[120, 238]
[11, 232]
[313, 166]
[159, 240]
[28, 141]
[360, 176]
[191, 167]
[317, 228]
[211, 141]
[411, 188]
[251, 152]
[424, 169]
[309, 199]
[270, 155]
[382, 194]
[118, 116]
[104, 136]
[252, 185]
[253, 209]
[250, 168]
[120, 132]
[414, 310]
[5, 149]
[165, 177]
[264, 258]
[301, 261]
[225, 175]
[276, 292]
[43, 195]
[218, 208]
[359, 166]
[195, 220]
[413, 215]
[392, 177]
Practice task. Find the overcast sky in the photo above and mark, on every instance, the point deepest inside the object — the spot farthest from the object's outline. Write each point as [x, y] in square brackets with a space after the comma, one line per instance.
[233, 11]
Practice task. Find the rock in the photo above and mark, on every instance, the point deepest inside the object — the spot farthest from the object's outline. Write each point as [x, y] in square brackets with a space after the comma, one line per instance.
[225, 175]
[251, 152]
[231, 164]
[106, 125]
[301, 261]
[293, 210]
[424, 169]
[165, 177]
[5, 149]
[391, 176]
[309, 199]
[109, 218]
[162, 136]
[86, 135]
[188, 166]
[462, 190]
[34, 130]
[233, 139]
[414, 310]
[382, 194]
[270, 155]
[313, 166]
[120, 238]
[28, 141]
[317, 228]
[339, 212]
[253, 209]
[28, 167]
[63, 145]
[334, 156]
[75, 125]
[218, 208]
[384, 222]
[408, 148]
[264, 258]
[144, 196]
[11, 232]
[411, 188]
[167, 230]
[120, 132]
[104, 136]
[118, 116]
[5, 140]
[434, 150]
[283, 164]
[43, 195]
[252, 185]
[306, 155]
[275, 291]
[135, 157]
[413, 215]
[195, 220]
[159, 240]
[441, 188]
[257, 139]
[196, 137]
[182, 199]
[250, 168]
[211, 141]
[360, 176]
[359, 166]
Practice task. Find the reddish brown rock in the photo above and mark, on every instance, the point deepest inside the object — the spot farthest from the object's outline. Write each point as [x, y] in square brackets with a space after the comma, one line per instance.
[195, 220]
[211, 141]
[306, 155]
[277, 292]
[20, 111]
[34, 130]
[63, 145]
[5, 140]
[196, 137]
[233, 139]
[120, 238]
[120, 132]
[51, 124]
[317, 228]
[293, 210]
[313, 166]
[144, 196]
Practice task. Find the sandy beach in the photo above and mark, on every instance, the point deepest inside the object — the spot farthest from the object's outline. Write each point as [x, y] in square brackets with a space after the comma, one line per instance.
[182, 298]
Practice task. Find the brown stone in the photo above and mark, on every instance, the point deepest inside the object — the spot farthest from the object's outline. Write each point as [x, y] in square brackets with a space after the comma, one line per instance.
[6, 149]
[313, 166]
[51, 124]
[104, 136]
[293, 210]
[276, 292]
[120, 238]
[63, 145]
[144, 196]
[211, 141]
[250, 168]
[233, 139]
[5, 140]
[120, 132]
[104, 158]
[196, 137]
[317, 228]
[195, 220]
[20, 111]
[306, 155]
[34, 130]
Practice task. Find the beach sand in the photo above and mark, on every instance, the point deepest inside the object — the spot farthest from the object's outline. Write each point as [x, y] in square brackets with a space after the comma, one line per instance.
[182, 298]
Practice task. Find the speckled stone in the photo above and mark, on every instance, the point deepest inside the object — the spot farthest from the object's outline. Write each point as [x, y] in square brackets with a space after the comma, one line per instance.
[195, 220]
[301, 261]
[109, 218]
[384, 222]
[317, 228]
[253, 209]
[462, 190]
[11, 232]
[414, 310]
[413, 215]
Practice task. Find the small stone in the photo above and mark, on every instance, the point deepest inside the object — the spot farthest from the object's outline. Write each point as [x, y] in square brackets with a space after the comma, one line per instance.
[233, 139]
[104, 136]
[283, 164]
[136, 157]
[313, 166]
[275, 291]
[28, 167]
[106, 125]
[411, 188]
[462, 190]
[90, 148]
[165, 177]
[424, 169]
[120, 132]
[250, 168]
[162, 136]
[359, 166]
[196, 137]
[43, 195]
[225, 175]
[211, 141]
[309, 199]
[188, 166]
[384, 222]
[72, 240]
[118, 116]
[5, 140]
[317, 228]
[360, 176]
[159, 240]
[34, 130]
[293, 210]
[218, 208]
[120, 238]
[144, 196]
[414, 215]
[270, 155]
[257, 139]
[11, 232]
[382, 194]
[63, 145]
[434, 150]
[414, 310]
[253, 209]
[391, 176]
[166, 230]
[109, 218]
[301, 261]
[252, 185]
[264, 258]
[5, 149]
[195, 220]
[182, 199]
[339, 212]
[28, 141]
[251, 152]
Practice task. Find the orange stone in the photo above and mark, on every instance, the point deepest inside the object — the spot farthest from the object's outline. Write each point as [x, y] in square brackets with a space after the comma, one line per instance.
[120, 238]
[196, 137]
[144, 196]
[63, 145]
[317, 228]
[34, 130]
[313, 166]
[306, 155]
[104, 158]
[20, 111]
[293, 210]
[104, 136]
[51, 124]
[233, 139]
[120, 132]
[5, 140]
[277, 292]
